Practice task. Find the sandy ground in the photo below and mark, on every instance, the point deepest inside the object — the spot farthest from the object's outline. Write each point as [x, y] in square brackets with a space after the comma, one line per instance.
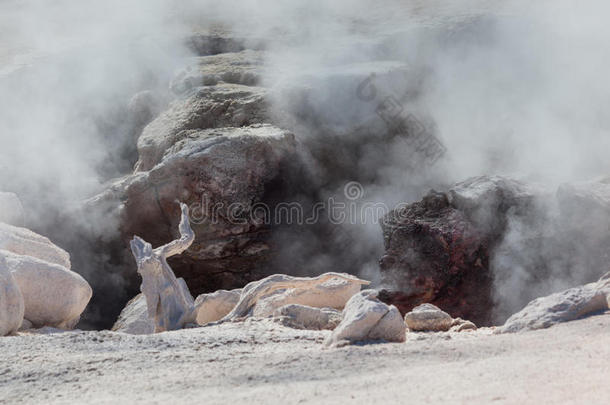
[262, 362]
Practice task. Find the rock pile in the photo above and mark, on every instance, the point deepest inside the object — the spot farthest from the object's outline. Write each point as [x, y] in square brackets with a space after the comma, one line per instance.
[39, 289]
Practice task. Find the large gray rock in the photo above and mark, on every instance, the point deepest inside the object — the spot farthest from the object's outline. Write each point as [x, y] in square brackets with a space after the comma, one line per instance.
[11, 301]
[561, 307]
[11, 209]
[220, 106]
[222, 175]
[366, 318]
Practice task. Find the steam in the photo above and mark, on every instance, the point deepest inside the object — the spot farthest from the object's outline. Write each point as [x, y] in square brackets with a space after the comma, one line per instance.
[68, 70]
[508, 88]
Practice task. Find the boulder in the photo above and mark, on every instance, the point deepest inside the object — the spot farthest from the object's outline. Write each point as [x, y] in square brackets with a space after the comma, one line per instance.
[586, 205]
[214, 306]
[11, 210]
[561, 307]
[27, 325]
[435, 254]
[487, 199]
[22, 241]
[143, 107]
[11, 301]
[223, 176]
[306, 317]
[134, 318]
[53, 295]
[428, 318]
[365, 318]
[440, 250]
[326, 290]
[223, 105]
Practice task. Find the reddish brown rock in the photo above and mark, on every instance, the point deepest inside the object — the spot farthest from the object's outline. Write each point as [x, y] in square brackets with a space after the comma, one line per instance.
[435, 254]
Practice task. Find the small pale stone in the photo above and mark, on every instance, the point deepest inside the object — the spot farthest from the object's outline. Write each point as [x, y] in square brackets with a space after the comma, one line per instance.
[460, 325]
[366, 318]
[428, 318]
[25, 325]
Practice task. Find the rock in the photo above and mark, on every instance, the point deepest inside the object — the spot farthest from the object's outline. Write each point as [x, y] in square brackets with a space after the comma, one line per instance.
[53, 295]
[222, 175]
[461, 325]
[11, 301]
[22, 241]
[26, 325]
[585, 217]
[435, 254]
[215, 306]
[327, 290]
[306, 317]
[11, 210]
[332, 293]
[243, 68]
[439, 250]
[428, 318]
[487, 199]
[560, 307]
[224, 105]
[603, 286]
[366, 318]
[216, 41]
[134, 318]
[143, 108]
[168, 300]
[586, 205]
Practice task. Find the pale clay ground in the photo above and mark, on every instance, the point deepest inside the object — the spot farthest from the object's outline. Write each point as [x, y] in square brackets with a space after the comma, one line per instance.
[260, 361]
